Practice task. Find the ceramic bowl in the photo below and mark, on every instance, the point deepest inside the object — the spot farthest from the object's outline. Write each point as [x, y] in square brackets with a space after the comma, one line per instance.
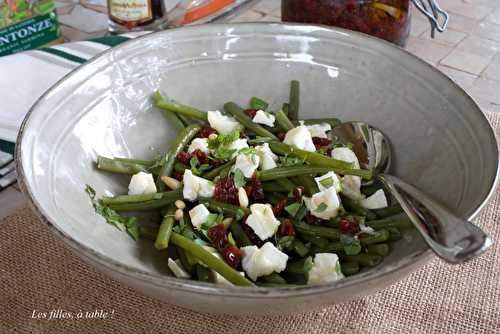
[442, 142]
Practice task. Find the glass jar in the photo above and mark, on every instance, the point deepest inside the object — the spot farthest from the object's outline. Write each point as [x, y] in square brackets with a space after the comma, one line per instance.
[387, 19]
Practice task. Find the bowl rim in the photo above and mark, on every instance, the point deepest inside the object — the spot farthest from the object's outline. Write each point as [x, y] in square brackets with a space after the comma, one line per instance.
[404, 265]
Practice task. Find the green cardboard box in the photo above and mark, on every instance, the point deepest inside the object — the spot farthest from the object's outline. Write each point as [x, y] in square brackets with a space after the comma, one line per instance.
[27, 24]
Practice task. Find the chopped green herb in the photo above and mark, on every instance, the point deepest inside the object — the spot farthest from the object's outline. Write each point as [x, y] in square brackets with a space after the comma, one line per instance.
[285, 243]
[301, 213]
[308, 264]
[257, 103]
[194, 166]
[223, 139]
[248, 150]
[322, 207]
[239, 178]
[351, 245]
[327, 183]
[292, 209]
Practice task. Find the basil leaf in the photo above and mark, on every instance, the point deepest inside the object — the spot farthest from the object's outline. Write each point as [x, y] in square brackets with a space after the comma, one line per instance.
[351, 245]
[223, 153]
[327, 183]
[285, 243]
[322, 207]
[223, 139]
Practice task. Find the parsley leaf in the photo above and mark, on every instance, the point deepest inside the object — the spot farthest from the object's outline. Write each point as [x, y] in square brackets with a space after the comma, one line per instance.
[112, 217]
[327, 183]
[223, 153]
[285, 243]
[239, 178]
[322, 207]
[223, 139]
[248, 150]
[194, 166]
[292, 209]
[351, 245]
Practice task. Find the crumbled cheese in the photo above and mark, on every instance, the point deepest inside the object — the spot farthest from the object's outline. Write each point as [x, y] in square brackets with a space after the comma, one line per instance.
[319, 130]
[351, 187]
[247, 163]
[366, 229]
[177, 269]
[328, 180]
[237, 145]
[199, 144]
[324, 204]
[375, 201]
[345, 154]
[262, 117]
[141, 183]
[262, 220]
[267, 157]
[264, 261]
[199, 215]
[195, 186]
[222, 123]
[300, 137]
[326, 268]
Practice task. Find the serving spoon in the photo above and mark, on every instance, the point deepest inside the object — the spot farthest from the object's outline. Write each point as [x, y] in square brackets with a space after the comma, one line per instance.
[452, 238]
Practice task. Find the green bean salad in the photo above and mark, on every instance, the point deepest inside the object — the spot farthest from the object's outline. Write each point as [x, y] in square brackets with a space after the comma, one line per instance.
[254, 197]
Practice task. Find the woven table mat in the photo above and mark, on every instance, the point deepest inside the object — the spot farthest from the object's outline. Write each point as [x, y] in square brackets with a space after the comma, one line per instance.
[42, 282]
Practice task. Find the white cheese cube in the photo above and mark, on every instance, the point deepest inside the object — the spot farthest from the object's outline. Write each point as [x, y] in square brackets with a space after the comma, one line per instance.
[222, 123]
[345, 154]
[375, 201]
[177, 268]
[247, 163]
[267, 157]
[237, 145]
[326, 268]
[328, 180]
[351, 187]
[142, 183]
[324, 204]
[262, 220]
[194, 186]
[319, 130]
[300, 137]
[262, 117]
[199, 215]
[199, 144]
[264, 261]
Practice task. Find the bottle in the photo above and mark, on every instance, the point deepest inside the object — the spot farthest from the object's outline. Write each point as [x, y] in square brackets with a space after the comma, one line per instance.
[136, 15]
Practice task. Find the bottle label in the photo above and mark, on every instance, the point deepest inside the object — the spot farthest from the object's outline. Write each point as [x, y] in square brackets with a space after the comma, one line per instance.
[129, 12]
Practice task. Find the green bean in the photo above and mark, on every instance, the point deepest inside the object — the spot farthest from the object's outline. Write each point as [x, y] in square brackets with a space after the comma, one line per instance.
[146, 163]
[394, 233]
[180, 167]
[316, 159]
[399, 221]
[298, 266]
[349, 268]
[273, 187]
[210, 260]
[283, 122]
[378, 237]
[184, 137]
[273, 278]
[388, 211]
[166, 199]
[317, 241]
[120, 167]
[311, 121]
[259, 140]
[148, 232]
[294, 100]
[203, 273]
[178, 108]
[185, 260]
[171, 117]
[210, 175]
[123, 199]
[364, 259]
[353, 206]
[239, 235]
[224, 208]
[289, 171]
[285, 108]
[332, 247]
[257, 103]
[317, 231]
[286, 183]
[379, 249]
[307, 181]
[273, 197]
[233, 109]
[300, 248]
[165, 230]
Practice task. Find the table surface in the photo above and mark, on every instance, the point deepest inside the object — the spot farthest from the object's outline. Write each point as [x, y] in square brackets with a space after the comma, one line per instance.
[468, 52]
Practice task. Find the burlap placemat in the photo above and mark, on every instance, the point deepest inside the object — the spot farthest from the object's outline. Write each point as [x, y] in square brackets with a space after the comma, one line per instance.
[39, 275]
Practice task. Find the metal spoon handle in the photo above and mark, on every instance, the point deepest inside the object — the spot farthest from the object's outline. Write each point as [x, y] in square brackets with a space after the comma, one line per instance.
[452, 238]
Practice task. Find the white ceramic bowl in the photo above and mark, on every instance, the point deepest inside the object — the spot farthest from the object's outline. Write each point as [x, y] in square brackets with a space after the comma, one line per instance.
[442, 142]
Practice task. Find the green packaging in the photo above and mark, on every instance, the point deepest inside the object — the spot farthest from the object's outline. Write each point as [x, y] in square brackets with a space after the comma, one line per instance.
[27, 24]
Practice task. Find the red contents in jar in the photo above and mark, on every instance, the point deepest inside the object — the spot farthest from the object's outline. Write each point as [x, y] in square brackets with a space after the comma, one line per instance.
[348, 227]
[225, 191]
[217, 235]
[386, 19]
[232, 256]
[250, 112]
[206, 131]
[184, 157]
[286, 228]
[254, 190]
[279, 208]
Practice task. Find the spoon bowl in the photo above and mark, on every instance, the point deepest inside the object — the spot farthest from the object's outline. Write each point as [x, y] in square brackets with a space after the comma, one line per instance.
[452, 238]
